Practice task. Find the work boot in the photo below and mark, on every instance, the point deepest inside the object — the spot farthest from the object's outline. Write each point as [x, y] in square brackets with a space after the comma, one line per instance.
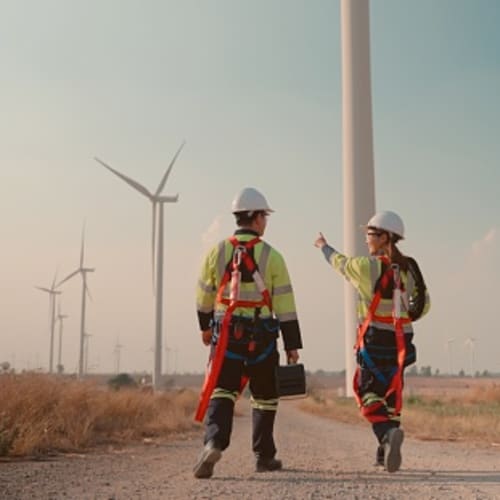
[392, 445]
[380, 455]
[209, 456]
[268, 464]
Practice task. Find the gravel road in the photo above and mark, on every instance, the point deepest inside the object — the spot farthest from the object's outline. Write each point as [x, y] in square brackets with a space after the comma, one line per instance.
[322, 459]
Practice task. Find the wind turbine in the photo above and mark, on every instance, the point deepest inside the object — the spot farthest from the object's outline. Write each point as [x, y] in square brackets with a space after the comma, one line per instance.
[85, 290]
[60, 318]
[117, 353]
[449, 343]
[357, 152]
[52, 315]
[470, 342]
[157, 201]
[176, 351]
[167, 360]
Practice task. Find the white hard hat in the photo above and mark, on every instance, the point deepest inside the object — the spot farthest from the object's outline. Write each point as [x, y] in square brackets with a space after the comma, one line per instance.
[250, 200]
[388, 221]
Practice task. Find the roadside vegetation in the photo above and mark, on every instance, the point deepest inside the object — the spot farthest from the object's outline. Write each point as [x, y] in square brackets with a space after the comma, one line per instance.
[472, 414]
[43, 414]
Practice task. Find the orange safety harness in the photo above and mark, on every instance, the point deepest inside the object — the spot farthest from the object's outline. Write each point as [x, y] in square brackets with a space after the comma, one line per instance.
[240, 256]
[396, 383]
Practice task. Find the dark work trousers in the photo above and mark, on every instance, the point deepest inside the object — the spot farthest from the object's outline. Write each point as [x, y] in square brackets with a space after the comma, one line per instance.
[368, 383]
[219, 420]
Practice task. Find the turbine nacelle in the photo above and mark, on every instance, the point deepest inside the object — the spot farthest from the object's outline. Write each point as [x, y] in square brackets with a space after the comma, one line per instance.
[167, 199]
[48, 290]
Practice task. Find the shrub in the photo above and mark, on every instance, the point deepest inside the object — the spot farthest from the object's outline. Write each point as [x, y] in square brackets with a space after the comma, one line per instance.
[122, 380]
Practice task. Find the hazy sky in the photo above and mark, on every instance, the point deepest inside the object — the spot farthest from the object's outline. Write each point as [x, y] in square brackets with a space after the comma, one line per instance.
[254, 89]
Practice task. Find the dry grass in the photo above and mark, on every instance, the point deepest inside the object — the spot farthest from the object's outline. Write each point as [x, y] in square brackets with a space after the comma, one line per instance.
[40, 414]
[471, 414]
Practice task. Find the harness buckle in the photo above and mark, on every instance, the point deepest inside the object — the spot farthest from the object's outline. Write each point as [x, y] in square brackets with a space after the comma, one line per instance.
[238, 251]
[238, 331]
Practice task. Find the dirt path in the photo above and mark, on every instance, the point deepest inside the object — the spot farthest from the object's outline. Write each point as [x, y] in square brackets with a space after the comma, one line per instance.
[322, 459]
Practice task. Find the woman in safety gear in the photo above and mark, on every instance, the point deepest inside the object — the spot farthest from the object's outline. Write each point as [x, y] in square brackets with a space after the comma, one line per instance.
[244, 299]
[392, 294]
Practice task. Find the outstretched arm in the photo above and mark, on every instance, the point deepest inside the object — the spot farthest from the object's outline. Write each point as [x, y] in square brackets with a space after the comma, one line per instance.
[322, 244]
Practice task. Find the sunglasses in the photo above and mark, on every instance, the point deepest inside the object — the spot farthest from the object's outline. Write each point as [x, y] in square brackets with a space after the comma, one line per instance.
[374, 234]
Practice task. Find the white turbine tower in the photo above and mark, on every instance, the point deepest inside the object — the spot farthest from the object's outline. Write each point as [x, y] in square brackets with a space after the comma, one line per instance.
[82, 270]
[470, 342]
[357, 149]
[60, 318]
[52, 317]
[87, 342]
[449, 345]
[157, 201]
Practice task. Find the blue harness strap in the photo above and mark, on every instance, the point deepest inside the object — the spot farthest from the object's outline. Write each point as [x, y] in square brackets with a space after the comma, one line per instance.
[371, 366]
[252, 361]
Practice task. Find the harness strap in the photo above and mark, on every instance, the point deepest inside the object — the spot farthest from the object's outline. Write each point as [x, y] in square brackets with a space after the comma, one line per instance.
[240, 256]
[396, 385]
[268, 350]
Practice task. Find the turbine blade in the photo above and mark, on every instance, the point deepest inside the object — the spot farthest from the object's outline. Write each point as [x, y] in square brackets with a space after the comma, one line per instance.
[153, 249]
[167, 173]
[82, 245]
[67, 278]
[54, 281]
[128, 180]
[88, 292]
[43, 289]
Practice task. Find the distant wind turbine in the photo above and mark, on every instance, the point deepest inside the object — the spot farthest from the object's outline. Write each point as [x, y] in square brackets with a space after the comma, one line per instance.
[117, 353]
[470, 342]
[167, 358]
[176, 352]
[157, 251]
[449, 344]
[60, 318]
[52, 317]
[85, 290]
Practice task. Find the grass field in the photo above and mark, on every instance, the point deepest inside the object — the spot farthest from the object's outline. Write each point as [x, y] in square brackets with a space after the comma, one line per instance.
[42, 414]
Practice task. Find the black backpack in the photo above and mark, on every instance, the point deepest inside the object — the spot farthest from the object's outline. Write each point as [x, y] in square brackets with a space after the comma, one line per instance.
[417, 301]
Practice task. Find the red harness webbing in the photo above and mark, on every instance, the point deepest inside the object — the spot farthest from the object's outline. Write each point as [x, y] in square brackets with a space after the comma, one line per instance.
[215, 362]
[396, 385]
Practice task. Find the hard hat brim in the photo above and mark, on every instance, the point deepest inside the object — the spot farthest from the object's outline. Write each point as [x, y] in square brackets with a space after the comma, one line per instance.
[364, 227]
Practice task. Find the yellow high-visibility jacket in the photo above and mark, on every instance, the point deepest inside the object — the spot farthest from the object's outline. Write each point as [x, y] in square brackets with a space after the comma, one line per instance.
[363, 273]
[274, 272]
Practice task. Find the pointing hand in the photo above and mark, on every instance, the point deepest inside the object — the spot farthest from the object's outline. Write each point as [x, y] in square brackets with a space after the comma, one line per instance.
[320, 241]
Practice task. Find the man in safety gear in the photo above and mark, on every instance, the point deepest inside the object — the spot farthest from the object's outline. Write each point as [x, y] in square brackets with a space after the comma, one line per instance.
[392, 294]
[244, 298]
